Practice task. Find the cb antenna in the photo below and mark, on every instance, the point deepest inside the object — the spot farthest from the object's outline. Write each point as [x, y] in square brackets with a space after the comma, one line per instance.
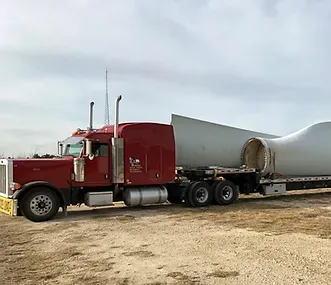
[107, 102]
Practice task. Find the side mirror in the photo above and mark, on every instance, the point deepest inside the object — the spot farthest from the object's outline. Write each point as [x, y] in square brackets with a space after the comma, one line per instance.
[88, 147]
[60, 148]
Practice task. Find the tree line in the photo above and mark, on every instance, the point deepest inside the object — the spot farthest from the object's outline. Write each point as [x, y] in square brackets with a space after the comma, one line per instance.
[35, 155]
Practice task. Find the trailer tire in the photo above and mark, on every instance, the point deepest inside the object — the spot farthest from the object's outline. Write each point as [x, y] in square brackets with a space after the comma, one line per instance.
[213, 186]
[200, 194]
[40, 204]
[188, 196]
[225, 193]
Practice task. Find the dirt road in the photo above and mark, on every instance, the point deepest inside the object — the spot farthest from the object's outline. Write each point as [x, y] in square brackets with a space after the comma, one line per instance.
[273, 240]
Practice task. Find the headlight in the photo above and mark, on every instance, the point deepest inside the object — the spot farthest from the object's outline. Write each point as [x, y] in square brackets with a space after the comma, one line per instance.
[14, 186]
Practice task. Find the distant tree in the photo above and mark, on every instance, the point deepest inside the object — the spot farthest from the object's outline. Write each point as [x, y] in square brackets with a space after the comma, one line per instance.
[46, 155]
[34, 155]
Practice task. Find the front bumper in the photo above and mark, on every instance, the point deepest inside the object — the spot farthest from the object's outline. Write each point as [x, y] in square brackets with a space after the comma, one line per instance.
[8, 206]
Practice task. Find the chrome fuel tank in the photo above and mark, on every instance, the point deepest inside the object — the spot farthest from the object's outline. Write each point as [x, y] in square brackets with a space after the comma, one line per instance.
[138, 196]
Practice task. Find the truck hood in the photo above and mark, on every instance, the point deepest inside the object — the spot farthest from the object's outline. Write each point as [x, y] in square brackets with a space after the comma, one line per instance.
[46, 161]
[55, 171]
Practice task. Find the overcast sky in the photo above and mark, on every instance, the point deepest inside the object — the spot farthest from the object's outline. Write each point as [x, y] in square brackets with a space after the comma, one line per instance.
[262, 65]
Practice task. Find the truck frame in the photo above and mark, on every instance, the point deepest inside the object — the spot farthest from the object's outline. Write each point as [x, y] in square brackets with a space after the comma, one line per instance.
[40, 200]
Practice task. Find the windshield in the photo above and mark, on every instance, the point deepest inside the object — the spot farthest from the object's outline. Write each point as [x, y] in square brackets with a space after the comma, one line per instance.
[72, 146]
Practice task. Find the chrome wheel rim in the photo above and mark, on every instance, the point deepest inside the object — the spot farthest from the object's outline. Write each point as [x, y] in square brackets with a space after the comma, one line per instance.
[202, 195]
[227, 193]
[41, 205]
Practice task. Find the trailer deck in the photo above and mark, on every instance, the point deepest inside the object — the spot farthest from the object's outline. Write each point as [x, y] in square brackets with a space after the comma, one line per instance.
[250, 181]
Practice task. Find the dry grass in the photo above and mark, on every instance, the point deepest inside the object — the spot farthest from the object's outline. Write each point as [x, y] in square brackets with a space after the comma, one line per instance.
[279, 220]
[305, 213]
[168, 244]
[223, 274]
[140, 253]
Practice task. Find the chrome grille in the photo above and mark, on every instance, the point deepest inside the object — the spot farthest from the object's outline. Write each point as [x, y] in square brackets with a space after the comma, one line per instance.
[3, 179]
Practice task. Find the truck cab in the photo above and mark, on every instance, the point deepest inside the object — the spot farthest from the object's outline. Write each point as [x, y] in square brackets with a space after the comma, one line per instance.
[142, 154]
[129, 161]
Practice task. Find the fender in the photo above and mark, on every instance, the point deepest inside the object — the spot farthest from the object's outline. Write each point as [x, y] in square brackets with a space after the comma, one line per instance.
[34, 184]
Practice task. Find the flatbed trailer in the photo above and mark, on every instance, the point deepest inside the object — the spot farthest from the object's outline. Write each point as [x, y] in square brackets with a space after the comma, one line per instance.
[130, 162]
[224, 185]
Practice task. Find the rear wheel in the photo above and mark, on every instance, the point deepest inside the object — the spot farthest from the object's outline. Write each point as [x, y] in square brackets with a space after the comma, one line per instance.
[225, 192]
[188, 196]
[199, 194]
[40, 204]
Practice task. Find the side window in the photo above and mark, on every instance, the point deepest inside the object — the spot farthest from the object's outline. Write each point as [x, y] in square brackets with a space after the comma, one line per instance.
[100, 149]
[103, 149]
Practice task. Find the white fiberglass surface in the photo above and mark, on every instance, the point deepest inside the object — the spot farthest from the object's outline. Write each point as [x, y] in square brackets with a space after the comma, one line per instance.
[200, 143]
[255, 155]
[306, 152]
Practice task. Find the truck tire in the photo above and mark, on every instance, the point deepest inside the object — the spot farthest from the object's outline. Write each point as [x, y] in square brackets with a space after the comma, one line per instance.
[40, 205]
[199, 194]
[213, 186]
[225, 192]
[188, 196]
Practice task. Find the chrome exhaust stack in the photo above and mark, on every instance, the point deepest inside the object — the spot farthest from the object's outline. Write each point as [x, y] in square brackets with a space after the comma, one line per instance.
[116, 121]
[91, 116]
[117, 151]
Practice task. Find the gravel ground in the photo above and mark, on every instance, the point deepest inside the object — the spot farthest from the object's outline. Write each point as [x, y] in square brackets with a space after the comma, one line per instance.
[269, 240]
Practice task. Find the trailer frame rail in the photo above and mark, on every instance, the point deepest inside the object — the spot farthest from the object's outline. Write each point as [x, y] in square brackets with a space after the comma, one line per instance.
[210, 171]
[295, 179]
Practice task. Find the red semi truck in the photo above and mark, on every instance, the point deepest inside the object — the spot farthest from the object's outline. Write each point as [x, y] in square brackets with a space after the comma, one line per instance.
[130, 162]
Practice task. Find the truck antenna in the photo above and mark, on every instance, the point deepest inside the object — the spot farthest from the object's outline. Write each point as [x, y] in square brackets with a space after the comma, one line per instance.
[106, 101]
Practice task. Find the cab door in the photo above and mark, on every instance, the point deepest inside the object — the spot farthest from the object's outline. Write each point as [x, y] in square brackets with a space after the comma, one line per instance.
[154, 163]
[97, 169]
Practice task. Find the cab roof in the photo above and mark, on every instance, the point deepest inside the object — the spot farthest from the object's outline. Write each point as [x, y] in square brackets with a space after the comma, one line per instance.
[109, 129]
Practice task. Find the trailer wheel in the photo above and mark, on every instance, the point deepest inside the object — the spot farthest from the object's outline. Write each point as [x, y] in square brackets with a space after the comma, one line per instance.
[199, 194]
[213, 186]
[40, 205]
[188, 196]
[225, 193]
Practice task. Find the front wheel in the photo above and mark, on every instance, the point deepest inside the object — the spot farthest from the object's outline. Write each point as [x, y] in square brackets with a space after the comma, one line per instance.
[40, 204]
